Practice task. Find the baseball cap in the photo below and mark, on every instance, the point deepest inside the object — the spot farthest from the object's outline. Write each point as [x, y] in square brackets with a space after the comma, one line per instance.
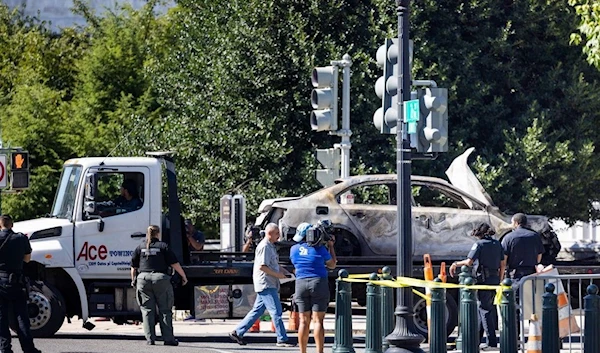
[188, 222]
[301, 231]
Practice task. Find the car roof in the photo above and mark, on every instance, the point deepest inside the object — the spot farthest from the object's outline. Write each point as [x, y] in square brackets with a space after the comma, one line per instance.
[356, 179]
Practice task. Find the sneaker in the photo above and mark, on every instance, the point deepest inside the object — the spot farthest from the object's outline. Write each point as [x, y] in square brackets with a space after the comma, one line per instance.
[285, 344]
[171, 343]
[486, 347]
[150, 343]
[237, 339]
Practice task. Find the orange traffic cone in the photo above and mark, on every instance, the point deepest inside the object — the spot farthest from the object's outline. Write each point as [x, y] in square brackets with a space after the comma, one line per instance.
[255, 327]
[534, 339]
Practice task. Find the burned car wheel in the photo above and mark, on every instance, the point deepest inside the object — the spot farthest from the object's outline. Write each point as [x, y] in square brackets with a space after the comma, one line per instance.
[420, 318]
[346, 244]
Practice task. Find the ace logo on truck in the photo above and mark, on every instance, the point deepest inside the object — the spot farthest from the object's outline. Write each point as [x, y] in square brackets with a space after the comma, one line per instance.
[91, 252]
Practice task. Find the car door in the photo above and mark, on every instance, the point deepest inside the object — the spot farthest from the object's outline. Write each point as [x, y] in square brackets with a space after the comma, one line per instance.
[105, 242]
[373, 214]
[443, 221]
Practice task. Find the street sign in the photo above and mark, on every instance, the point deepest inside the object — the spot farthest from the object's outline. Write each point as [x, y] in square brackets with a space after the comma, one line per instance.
[3, 176]
[411, 111]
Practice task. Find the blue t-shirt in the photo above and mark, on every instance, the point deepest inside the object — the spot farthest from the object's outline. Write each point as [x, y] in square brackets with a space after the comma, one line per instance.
[309, 261]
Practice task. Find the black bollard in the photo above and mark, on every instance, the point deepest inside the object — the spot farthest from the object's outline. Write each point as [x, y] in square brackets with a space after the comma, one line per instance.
[373, 339]
[550, 338]
[465, 272]
[437, 333]
[343, 342]
[387, 308]
[591, 334]
[508, 315]
[469, 318]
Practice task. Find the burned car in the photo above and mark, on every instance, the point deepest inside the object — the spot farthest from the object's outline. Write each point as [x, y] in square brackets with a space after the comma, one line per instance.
[363, 212]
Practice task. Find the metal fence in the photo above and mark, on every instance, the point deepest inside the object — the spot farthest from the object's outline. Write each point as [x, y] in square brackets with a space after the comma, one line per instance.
[570, 291]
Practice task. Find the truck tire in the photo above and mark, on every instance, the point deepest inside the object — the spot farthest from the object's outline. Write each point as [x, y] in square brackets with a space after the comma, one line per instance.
[46, 308]
[420, 318]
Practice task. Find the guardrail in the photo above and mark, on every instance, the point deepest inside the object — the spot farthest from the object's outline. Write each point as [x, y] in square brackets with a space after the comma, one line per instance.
[544, 293]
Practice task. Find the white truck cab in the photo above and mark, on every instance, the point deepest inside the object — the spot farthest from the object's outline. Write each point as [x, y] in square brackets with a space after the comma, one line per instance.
[80, 264]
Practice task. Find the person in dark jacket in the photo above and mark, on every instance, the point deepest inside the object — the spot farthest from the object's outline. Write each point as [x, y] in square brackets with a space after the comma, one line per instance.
[151, 261]
[523, 249]
[488, 256]
[14, 251]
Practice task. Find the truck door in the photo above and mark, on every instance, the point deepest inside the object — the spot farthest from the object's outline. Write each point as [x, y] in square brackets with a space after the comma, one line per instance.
[106, 237]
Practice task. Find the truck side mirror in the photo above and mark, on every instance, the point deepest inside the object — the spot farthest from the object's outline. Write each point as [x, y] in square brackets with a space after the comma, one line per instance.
[91, 187]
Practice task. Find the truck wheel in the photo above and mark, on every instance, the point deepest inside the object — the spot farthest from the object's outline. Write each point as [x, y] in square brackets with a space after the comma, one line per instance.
[420, 318]
[46, 308]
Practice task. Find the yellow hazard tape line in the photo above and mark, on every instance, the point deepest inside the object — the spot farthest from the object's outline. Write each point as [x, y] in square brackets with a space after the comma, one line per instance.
[401, 282]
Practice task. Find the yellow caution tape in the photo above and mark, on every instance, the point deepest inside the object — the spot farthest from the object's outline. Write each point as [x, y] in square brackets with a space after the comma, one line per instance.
[413, 282]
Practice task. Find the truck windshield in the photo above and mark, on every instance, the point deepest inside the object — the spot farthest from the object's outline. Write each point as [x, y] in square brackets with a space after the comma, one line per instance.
[64, 201]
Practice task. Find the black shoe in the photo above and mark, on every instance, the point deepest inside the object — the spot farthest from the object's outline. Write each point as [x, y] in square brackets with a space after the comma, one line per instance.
[237, 339]
[150, 343]
[171, 343]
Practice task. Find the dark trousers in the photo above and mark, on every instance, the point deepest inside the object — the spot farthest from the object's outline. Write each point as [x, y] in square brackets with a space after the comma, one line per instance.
[488, 319]
[13, 303]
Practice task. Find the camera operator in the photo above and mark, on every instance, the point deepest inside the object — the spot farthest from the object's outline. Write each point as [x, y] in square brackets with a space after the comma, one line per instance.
[312, 257]
[252, 237]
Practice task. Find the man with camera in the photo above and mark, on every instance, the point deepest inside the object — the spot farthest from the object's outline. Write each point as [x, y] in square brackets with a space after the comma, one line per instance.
[266, 275]
[14, 251]
[311, 257]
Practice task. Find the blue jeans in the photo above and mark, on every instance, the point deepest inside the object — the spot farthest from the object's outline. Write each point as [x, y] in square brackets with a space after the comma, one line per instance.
[269, 299]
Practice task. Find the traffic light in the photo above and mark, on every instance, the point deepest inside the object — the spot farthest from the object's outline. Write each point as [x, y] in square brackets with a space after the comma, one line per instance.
[19, 170]
[432, 128]
[330, 159]
[387, 88]
[19, 160]
[324, 99]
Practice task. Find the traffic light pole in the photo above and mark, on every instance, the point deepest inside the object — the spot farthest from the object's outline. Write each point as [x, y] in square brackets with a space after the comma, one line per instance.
[345, 132]
[404, 338]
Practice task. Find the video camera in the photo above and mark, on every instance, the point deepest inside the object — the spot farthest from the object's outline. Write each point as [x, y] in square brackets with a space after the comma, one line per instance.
[319, 234]
[256, 233]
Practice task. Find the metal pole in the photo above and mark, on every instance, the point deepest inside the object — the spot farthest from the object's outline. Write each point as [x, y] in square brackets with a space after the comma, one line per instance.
[550, 337]
[345, 132]
[508, 315]
[404, 337]
[437, 335]
[373, 337]
[387, 308]
[591, 343]
[343, 342]
[468, 314]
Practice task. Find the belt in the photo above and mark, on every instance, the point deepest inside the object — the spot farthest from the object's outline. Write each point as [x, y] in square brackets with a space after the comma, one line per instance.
[163, 272]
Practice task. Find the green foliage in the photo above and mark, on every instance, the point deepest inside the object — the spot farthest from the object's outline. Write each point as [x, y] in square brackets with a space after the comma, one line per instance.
[227, 86]
[588, 12]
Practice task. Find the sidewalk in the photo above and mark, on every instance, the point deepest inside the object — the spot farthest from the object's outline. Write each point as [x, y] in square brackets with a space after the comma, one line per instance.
[214, 327]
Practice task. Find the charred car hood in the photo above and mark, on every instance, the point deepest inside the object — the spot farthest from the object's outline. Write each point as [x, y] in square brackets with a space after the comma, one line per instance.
[462, 177]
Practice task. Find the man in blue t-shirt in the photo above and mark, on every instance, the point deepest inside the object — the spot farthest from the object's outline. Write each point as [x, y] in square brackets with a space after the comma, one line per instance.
[312, 287]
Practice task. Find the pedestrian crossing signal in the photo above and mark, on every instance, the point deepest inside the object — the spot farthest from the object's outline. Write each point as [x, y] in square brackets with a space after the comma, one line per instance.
[19, 161]
[19, 179]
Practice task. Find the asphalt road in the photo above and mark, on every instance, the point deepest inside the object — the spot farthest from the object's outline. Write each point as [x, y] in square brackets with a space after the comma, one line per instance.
[131, 344]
